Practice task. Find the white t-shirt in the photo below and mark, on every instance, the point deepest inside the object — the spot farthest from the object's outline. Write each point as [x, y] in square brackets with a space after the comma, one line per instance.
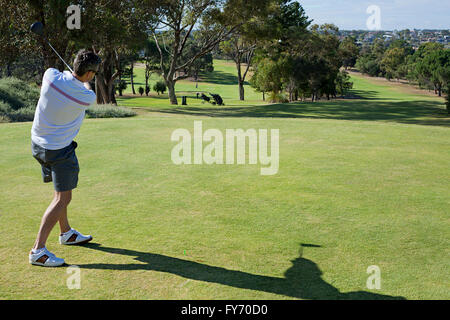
[60, 110]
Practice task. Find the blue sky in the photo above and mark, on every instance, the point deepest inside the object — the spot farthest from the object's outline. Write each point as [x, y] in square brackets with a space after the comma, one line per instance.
[395, 14]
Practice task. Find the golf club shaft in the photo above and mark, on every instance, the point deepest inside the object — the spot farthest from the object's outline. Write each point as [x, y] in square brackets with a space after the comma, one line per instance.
[60, 56]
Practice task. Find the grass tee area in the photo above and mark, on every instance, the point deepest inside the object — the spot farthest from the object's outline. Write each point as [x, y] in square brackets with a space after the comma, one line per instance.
[361, 182]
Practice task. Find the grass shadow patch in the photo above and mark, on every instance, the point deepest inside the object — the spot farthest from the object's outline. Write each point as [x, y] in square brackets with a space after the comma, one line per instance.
[303, 280]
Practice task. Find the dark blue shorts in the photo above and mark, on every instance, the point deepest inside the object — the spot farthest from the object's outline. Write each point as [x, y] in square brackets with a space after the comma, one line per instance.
[60, 166]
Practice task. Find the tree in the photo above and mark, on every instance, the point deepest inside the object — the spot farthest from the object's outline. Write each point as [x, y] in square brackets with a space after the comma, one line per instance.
[369, 61]
[113, 29]
[349, 51]
[435, 69]
[447, 98]
[120, 86]
[240, 46]
[268, 77]
[160, 87]
[19, 45]
[151, 61]
[203, 64]
[343, 83]
[282, 39]
[127, 60]
[324, 60]
[215, 20]
[241, 52]
[413, 60]
[392, 63]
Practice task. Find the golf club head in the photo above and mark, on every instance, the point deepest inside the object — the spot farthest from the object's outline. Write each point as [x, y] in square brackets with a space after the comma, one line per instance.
[37, 28]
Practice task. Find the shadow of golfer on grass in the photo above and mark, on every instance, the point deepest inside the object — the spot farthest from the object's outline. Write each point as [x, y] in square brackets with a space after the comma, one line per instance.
[303, 280]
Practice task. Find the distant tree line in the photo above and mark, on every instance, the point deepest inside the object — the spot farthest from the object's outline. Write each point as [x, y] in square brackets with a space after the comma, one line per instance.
[428, 66]
[296, 61]
[272, 40]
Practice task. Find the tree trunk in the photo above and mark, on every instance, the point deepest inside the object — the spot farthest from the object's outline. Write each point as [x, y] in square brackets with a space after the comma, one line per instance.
[132, 77]
[113, 96]
[8, 70]
[240, 80]
[101, 90]
[104, 80]
[171, 90]
[147, 75]
[241, 90]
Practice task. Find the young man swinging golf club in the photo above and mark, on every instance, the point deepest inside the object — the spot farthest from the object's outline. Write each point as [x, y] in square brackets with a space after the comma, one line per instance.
[59, 114]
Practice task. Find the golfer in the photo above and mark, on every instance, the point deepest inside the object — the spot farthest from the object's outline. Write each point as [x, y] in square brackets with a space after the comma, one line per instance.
[59, 114]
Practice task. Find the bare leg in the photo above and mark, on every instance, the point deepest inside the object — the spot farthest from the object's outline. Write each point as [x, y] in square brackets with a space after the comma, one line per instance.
[63, 221]
[56, 210]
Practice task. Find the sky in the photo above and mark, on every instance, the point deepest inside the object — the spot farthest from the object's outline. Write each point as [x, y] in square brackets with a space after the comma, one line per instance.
[394, 14]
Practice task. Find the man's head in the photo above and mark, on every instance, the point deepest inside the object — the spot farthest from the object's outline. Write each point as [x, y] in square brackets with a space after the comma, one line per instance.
[86, 65]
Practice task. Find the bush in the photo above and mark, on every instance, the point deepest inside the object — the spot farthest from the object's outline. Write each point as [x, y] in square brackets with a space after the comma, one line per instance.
[278, 97]
[18, 94]
[108, 111]
[21, 115]
[4, 119]
[4, 108]
[141, 91]
[160, 87]
[18, 100]
[120, 86]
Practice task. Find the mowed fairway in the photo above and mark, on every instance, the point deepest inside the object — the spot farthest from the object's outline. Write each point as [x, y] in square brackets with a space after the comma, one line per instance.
[361, 182]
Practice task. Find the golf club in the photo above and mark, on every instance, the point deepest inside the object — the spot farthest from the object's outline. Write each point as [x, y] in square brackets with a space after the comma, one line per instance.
[38, 28]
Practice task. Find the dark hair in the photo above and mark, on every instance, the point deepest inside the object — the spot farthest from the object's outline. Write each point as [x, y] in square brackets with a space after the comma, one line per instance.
[86, 61]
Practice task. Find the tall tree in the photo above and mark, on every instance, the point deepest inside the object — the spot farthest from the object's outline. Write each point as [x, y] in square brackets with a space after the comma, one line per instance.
[393, 62]
[214, 19]
[241, 51]
[112, 28]
[349, 51]
[435, 68]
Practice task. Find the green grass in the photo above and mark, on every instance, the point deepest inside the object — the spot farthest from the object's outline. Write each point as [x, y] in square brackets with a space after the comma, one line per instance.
[221, 81]
[361, 182]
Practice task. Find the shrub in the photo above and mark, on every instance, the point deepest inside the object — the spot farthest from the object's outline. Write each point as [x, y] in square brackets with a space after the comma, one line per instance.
[18, 94]
[108, 111]
[21, 115]
[160, 87]
[121, 85]
[4, 108]
[17, 100]
[141, 91]
[278, 97]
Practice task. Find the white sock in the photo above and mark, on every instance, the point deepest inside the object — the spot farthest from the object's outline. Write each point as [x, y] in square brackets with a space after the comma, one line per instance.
[34, 251]
[63, 234]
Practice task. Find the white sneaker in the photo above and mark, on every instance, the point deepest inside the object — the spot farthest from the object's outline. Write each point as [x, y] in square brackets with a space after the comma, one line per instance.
[45, 258]
[73, 237]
